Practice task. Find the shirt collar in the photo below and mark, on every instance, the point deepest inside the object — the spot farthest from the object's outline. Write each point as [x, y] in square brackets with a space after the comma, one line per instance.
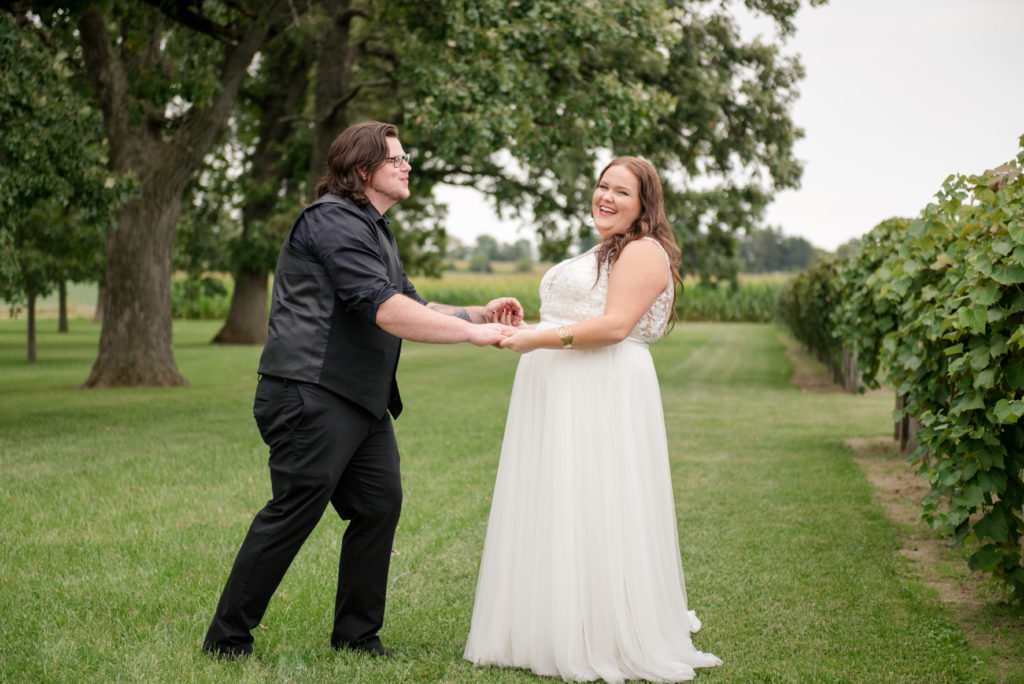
[371, 213]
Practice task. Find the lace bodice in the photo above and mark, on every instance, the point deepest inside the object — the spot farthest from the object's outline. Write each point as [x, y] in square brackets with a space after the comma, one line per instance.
[568, 292]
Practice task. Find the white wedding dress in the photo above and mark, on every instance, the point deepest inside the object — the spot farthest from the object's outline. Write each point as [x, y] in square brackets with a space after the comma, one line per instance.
[581, 575]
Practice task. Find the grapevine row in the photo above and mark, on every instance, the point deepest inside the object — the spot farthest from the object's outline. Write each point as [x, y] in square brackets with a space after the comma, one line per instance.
[934, 307]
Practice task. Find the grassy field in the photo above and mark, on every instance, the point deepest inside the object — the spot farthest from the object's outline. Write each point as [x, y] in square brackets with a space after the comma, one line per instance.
[122, 511]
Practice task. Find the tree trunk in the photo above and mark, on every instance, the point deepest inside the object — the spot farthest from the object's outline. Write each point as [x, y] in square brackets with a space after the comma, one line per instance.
[97, 314]
[62, 316]
[247, 318]
[31, 307]
[284, 68]
[135, 343]
[333, 70]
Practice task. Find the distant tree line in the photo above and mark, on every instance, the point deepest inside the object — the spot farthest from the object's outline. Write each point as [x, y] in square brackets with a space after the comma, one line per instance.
[487, 249]
[769, 251]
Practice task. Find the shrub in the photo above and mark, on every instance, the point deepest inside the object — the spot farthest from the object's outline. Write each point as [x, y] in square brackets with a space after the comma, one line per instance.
[207, 297]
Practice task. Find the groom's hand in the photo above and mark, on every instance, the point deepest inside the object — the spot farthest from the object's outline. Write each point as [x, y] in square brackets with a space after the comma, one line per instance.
[489, 334]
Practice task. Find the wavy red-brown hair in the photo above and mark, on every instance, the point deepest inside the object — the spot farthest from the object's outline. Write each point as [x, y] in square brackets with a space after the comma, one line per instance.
[651, 222]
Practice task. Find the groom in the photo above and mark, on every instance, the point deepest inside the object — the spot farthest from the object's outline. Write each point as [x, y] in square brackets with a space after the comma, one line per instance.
[341, 306]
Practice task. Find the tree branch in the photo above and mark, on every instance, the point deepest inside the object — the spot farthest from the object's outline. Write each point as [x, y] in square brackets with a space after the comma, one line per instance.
[297, 117]
[470, 177]
[108, 77]
[202, 125]
[385, 52]
[342, 101]
[182, 14]
[346, 17]
[242, 9]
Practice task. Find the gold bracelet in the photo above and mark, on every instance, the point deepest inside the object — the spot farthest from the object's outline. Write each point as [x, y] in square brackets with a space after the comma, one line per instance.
[565, 335]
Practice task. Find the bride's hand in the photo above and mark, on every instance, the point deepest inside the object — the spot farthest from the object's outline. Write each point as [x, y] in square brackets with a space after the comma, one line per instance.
[504, 310]
[509, 316]
[523, 340]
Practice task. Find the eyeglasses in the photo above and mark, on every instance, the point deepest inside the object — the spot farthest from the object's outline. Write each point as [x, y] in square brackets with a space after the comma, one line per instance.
[398, 160]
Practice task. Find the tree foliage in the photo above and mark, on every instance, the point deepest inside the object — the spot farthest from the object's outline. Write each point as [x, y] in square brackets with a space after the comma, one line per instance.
[56, 194]
[531, 95]
[521, 99]
[250, 190]
[958, 355]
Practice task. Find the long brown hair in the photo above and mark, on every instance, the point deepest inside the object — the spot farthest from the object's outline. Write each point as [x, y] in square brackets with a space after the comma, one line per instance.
[651, 222]
[355, 153]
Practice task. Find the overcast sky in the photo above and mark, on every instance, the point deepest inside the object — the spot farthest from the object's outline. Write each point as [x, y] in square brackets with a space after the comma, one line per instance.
[898, 94]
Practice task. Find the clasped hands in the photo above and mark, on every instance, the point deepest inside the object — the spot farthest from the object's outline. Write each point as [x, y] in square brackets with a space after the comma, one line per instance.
[505, 318]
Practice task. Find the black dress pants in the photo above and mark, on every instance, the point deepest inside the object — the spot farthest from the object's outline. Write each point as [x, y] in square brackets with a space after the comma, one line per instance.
[323, 449]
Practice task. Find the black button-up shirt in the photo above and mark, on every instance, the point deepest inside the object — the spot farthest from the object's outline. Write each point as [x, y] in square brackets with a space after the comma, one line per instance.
[350, 253]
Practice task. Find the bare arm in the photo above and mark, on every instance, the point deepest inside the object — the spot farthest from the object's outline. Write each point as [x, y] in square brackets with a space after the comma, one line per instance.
[502, 309]
[639, 276]
[406, 318]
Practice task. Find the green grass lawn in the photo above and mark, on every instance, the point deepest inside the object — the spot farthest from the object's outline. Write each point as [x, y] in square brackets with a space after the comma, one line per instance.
[122, 511]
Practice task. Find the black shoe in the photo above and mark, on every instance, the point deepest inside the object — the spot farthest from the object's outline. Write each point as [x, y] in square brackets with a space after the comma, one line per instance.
[372, 646]
[227, 652]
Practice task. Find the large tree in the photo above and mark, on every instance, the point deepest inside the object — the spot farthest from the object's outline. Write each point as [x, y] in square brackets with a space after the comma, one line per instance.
[166, 78]
[354, 74]
[520, 100]
[531, 95]
[361, 47]
[275, 136]
[55, 191]
[54, 244]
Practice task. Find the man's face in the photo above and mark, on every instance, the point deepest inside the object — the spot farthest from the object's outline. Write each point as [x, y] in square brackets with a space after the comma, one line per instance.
[387, 183]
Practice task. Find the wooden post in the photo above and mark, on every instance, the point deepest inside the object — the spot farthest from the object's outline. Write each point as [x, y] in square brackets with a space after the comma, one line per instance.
[898, 428]
[906, 428]
[913, 425]
[852, 377]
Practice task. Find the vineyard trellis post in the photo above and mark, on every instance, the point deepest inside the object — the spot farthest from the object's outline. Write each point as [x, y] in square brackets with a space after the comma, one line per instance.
[853, 377]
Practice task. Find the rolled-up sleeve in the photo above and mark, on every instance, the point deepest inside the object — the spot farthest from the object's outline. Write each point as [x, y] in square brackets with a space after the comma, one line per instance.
[347, 247]
[409, 291]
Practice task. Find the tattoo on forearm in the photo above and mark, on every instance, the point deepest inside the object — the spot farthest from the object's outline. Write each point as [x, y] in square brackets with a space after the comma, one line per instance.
[457, 311]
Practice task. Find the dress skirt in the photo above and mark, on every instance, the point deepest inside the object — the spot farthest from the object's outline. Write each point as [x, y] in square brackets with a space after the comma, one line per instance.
[581, 575]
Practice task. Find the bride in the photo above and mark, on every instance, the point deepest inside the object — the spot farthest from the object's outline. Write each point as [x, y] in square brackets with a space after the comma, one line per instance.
[581, 575]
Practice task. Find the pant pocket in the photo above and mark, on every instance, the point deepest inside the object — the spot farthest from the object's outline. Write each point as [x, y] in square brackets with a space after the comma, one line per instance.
[277, 408]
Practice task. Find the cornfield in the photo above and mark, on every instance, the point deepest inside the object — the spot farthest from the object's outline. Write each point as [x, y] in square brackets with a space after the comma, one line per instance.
[752, 301]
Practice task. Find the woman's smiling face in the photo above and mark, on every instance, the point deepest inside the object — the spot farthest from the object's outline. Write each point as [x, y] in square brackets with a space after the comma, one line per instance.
[616, 202]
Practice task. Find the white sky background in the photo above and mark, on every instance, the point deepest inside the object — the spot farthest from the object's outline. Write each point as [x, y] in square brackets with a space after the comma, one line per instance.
[898, 94]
